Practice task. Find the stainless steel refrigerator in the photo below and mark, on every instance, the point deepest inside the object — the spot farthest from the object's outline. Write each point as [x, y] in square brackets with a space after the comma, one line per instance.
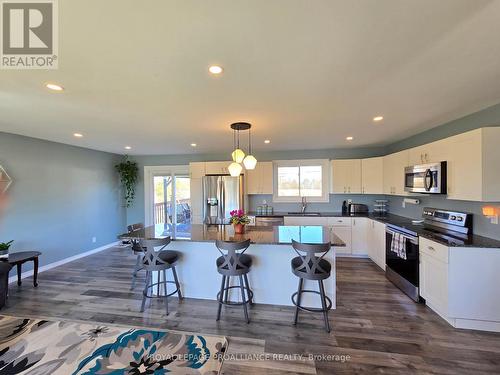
[221, 195]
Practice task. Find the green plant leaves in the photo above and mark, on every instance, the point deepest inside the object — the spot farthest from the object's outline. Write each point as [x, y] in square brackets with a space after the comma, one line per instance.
[129, 173]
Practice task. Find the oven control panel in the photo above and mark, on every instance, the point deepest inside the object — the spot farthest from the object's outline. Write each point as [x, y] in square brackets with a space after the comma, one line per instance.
[449, 217]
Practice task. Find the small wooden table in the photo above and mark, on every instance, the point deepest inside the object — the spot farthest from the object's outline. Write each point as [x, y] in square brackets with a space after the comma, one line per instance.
[19, 258]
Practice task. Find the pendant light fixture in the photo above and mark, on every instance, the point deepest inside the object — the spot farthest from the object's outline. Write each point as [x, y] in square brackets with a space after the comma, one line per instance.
[238, 155]
[249, 162]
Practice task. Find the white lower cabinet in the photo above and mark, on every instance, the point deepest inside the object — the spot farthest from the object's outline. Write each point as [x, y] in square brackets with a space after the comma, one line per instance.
[359, 236]
[344, 233]
[376, 242]
[461, 284]
[362, 236]
[434, 275]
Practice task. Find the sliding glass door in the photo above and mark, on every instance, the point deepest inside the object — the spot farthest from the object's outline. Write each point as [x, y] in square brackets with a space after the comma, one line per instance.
[168, 199]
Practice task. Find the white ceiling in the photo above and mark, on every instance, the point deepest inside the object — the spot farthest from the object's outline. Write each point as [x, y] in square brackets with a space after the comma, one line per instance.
[305, 73]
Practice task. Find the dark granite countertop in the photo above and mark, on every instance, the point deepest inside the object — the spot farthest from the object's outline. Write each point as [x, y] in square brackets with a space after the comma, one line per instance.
[276, 235]
[405, 222]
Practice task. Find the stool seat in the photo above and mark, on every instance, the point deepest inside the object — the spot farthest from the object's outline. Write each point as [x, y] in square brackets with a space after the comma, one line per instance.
[167, 256]
[299, 270]
[245, 259]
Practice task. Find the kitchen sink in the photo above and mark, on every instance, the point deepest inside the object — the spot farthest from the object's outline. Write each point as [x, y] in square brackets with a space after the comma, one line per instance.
[304, 213]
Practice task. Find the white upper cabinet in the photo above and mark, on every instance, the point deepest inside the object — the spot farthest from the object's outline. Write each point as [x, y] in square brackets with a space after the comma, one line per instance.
[197, 170]
[217, 167]
[394, 171]
[346, 176]
[260, 179]
[372, 175]
[433, 152]
[474, 165]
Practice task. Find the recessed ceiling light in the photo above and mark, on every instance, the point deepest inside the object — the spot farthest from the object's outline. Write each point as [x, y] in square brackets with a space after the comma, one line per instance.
[54, 87]
[349, 138]
[215, 69]
[378, 118]
[78, 135]
[267, 141]
[193, 145]
[128, 148]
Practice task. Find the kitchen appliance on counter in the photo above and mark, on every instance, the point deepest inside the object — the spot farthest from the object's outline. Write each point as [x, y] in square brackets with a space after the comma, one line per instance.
[221, 195]
[426, 178]
[402, 244]
[357, 208]
[381, 207]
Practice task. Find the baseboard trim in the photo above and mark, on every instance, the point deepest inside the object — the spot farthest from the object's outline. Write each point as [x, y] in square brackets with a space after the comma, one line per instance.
[13, 279]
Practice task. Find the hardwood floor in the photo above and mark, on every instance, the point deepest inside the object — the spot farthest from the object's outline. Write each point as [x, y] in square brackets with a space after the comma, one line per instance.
[376, 329]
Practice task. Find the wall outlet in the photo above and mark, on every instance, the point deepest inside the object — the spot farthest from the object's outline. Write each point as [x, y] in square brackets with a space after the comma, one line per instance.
[94, 239]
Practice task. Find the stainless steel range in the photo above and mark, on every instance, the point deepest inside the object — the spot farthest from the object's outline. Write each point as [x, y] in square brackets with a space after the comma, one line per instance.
[402, 244]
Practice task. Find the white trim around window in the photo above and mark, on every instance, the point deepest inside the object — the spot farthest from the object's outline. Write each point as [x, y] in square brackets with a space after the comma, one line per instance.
[325, 179]
[149, 173]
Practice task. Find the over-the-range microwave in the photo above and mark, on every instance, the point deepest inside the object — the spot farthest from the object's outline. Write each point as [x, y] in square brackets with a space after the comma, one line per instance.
[426, 178]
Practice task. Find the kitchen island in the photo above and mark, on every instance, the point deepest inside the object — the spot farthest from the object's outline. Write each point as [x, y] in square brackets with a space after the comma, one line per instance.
[270, 278]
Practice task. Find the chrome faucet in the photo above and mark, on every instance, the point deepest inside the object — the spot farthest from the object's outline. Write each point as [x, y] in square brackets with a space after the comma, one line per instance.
[304, 205]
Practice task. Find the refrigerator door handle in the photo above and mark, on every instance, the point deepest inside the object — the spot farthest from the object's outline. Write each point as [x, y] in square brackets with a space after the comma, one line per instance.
[222, 200]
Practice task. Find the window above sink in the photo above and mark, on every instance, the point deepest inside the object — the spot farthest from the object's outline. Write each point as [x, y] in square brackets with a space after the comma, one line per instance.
[295, 179]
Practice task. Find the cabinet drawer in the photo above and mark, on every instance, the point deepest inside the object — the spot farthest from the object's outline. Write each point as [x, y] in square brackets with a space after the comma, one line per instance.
[433, 249]
[339, 221]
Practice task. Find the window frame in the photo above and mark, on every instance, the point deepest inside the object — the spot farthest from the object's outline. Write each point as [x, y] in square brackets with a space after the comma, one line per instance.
[325, 179]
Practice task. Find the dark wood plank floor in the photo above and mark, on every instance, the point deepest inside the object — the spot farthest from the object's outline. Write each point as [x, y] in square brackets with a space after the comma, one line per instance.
[375, 330]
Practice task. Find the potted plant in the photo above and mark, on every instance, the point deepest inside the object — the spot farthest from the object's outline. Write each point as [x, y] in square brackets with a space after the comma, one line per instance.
[239, 219]
[129, 173]
[4, 249]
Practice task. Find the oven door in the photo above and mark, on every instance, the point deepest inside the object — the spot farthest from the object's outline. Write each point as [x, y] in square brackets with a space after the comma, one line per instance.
[426, 178]
[404, 273]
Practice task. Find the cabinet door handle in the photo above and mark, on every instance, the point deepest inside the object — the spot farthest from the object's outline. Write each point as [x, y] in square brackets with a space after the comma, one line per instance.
[431, 248]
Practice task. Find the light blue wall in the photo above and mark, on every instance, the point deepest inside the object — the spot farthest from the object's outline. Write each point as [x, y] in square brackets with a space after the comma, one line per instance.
[61, 197]
[335, 204]
[485, 118]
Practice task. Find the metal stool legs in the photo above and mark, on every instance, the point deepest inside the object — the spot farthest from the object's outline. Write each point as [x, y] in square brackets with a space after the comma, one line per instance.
[326, 302]
[299, 295]
[223, 295]
[137, 268]
[160, 284]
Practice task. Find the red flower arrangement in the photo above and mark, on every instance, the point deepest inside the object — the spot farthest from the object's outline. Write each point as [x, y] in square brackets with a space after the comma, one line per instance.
[239, 220]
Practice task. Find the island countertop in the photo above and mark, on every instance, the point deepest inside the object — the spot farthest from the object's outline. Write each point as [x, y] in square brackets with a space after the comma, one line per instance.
[265, 235]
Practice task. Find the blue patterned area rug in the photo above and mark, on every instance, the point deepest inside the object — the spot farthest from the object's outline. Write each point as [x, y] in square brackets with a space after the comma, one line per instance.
[32, 346]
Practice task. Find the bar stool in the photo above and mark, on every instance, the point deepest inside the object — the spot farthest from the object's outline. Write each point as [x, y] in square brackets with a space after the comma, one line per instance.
[234, 263]
[159, 262]
[137, 250]
[308, 266]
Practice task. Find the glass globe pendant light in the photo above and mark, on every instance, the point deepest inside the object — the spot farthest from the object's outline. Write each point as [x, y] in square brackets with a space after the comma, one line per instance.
[238, 155]
[235, 169]
[249, 162]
